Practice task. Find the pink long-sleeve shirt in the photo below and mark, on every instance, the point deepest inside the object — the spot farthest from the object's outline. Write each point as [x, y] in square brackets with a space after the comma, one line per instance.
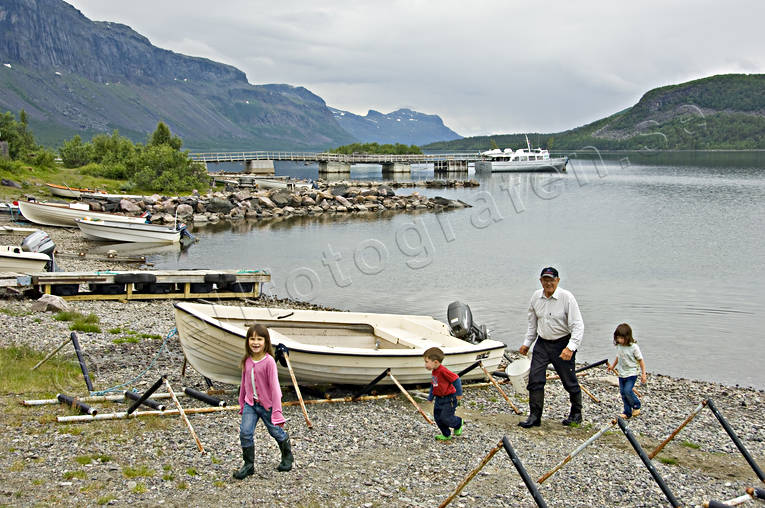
[269, 394]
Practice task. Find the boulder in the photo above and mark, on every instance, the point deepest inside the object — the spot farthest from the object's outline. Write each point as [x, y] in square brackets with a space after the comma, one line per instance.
[281, 197]
[184, 211]
[339, 190]
[200, 217]
[9, 183]
[265, 201]
[219, 205]
[50, 303]
[343, 201]
[128, 206]
[242, 195]
[307, 201]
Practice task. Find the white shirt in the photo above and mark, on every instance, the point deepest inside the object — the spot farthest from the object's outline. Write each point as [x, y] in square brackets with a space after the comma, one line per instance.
[629, 360]
[555, 317]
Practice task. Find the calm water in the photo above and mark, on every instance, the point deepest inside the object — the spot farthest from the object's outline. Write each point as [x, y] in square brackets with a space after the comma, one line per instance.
[673, 248]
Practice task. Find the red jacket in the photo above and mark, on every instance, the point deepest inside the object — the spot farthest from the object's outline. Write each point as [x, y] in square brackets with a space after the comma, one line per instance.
[441, 381]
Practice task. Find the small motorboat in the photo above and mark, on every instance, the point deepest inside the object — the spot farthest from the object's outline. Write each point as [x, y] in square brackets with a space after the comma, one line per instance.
[332, 346]
[56, 214]
[34, 255]
[112, 231]
[65, 191]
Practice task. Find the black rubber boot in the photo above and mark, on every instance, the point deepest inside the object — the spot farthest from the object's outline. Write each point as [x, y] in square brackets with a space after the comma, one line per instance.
[575, 415]
[536, 404]
[248, 454]
[287, 458]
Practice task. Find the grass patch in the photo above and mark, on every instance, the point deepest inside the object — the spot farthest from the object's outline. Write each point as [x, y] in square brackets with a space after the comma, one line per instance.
[150, 336]
[214, 459]
[101, 457]
[86, 324]
[135, 472]
[218, 483]
[668, 461]
[168, 477]
[92, 487]
[105, 500]
[115, 331]
[167, 467]
[79, 474]
[191, 471]
[126, 340]
[690, 444]
[139, 489]
[181, 485]
[13, 312]
[17, 376]
[17, 466]
[38, 481]
[83, 459]
[67, 315]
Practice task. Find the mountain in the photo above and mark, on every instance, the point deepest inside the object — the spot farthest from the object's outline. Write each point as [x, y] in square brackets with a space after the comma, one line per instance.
[718, 112]
[400, 126]
[76, 76]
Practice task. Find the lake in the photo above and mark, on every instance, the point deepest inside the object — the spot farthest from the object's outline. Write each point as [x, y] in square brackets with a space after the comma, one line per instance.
[671, 244]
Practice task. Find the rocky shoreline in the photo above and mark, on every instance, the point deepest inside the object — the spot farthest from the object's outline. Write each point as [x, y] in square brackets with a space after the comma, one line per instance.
[371, 453]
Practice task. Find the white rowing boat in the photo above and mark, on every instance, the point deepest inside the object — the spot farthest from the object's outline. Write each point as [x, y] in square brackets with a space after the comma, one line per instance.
[14, 259]
[326, 346]
[54, 214]
[112, 231]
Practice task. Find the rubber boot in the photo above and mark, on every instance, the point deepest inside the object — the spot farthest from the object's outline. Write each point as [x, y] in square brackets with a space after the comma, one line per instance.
[287, 458]
[536, 404]
[575, 415]
[248, 454]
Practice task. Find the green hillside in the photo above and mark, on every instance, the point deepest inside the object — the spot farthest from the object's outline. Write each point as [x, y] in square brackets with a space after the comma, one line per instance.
[718, 112]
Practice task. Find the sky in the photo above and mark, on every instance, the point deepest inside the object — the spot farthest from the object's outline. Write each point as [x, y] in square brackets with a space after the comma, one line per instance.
[485, 67]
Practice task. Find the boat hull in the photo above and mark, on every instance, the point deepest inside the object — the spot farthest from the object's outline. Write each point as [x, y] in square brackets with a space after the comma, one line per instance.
[13, 259]
[49, 214]
[110, 231]
[326, 347]
[548, 165]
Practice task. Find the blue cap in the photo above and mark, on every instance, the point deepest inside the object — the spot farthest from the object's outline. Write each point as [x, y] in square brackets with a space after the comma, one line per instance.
[549, 272]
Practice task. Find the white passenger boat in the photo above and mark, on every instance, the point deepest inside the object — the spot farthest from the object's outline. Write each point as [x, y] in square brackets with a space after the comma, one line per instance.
[14, 259]
[326, 346]
[113, 231]
[521, 160]
[54, 214]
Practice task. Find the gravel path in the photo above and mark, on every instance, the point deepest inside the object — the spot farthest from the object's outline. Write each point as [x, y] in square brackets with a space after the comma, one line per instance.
[371, 453]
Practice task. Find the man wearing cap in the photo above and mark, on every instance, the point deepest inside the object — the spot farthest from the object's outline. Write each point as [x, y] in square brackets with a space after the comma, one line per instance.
[556, 324]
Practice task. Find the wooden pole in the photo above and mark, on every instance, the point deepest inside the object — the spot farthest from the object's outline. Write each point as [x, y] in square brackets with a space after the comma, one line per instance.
[471, 475]
[50, 355]
[406, 394]
[297, 390]
[183, 416]
[576, 452]
[494, 382]
[585, 390]
[678, 429]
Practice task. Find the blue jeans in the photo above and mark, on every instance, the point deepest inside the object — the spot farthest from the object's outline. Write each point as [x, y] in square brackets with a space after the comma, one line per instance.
[443, 413]
[250, 415]
[626, 384]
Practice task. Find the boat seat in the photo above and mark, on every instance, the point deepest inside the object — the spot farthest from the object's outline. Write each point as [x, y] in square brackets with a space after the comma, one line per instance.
[402, 337]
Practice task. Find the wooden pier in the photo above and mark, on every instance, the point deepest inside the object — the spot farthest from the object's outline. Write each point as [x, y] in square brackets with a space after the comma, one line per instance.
[141, 284]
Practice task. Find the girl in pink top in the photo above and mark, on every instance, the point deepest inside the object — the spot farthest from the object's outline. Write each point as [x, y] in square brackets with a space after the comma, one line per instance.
[260, 398]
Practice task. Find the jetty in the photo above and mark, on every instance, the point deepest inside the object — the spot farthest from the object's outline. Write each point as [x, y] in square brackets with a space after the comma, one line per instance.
[140, 284]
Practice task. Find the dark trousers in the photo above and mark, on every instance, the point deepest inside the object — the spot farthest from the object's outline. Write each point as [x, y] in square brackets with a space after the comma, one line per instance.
[443, 413]
[545, 353]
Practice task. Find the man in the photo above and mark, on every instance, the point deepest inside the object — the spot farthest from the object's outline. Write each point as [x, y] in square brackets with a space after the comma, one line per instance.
[556, 324]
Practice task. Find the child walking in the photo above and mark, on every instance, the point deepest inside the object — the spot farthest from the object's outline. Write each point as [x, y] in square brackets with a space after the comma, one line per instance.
[628, 357]
[446, 388]
[260, 398]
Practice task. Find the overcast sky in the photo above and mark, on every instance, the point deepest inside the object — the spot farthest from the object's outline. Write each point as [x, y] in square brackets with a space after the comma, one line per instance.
[485, 67]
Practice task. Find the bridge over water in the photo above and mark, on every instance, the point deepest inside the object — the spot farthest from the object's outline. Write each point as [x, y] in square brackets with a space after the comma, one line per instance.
[262, 162]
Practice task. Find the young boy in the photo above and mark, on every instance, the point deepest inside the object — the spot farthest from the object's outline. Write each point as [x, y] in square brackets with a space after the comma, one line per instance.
[446, 388]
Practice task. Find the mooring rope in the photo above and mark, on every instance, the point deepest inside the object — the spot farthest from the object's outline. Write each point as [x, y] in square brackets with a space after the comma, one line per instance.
[117, 387]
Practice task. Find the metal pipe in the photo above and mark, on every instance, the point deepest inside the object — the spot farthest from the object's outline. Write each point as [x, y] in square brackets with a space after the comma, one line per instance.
[147, 402]
[104, 398]
[183, 415]
[83, 367]
[75, 403]
[146, 394]
[468, 369]
[736, 440]
[677, 430]
[648, 464]
[524, 474]
[756, 492]
[406, 394]
[471, 475]
[207, 399]
[576, 452]
[730, 502]
[50, 355]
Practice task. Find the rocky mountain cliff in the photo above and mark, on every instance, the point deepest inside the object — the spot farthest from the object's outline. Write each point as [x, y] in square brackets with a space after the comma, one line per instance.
[402, 124]
[76, 76]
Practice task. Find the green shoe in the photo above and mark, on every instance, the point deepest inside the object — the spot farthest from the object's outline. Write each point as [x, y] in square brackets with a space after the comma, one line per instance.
[458, 432]
[441, 437]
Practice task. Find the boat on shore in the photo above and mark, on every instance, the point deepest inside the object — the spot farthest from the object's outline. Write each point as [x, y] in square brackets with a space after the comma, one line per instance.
[65, 191]
[114, 231]
[15, 259]
[55, 214]
[521, 160]
[327, 346]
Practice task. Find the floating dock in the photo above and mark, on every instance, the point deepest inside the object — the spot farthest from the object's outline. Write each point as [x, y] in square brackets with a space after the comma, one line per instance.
[141, 284]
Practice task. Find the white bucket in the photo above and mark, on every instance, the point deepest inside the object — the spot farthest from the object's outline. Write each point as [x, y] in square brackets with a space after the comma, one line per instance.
[518, 372]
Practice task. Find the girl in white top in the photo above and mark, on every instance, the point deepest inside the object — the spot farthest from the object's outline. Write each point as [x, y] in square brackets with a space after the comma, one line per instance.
[629, 358]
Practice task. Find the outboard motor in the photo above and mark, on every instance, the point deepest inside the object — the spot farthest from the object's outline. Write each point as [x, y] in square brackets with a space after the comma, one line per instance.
[461, 323]
[40, 241]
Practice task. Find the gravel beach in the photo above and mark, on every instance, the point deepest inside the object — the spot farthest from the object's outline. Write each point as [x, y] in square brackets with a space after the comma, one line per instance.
[370, 453]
